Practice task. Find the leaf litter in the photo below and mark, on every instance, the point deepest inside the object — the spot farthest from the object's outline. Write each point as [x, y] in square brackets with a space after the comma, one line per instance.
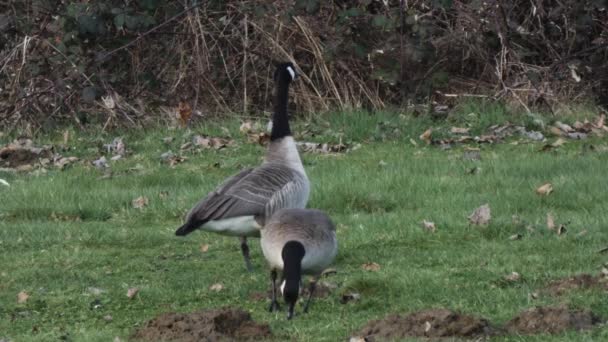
[481, 216]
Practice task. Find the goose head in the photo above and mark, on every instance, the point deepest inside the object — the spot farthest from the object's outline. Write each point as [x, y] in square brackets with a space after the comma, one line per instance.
[285, 72]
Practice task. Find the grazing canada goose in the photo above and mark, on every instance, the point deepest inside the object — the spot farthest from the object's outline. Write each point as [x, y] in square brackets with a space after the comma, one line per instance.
[297, 241]
[241, 205]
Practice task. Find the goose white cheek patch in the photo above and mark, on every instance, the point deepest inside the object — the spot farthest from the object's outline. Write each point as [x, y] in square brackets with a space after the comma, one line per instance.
[292, 73]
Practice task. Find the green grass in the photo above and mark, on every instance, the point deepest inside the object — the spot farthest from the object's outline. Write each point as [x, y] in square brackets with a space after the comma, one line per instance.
[63, 232]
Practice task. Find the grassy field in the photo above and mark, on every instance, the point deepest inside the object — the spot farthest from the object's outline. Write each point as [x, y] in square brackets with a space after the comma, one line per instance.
[72, 240]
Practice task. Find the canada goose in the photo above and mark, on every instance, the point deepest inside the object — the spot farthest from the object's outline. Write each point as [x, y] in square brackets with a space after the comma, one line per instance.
[241, 205]
[297, 241]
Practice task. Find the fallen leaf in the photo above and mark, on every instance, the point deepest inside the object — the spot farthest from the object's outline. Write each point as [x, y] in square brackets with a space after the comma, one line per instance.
[555, 131]
[561, 230]
[481, 215]
[429, 226]
[413, 142]
[168, 140]
[533, 295]
[140, 202]
[545, 189]
[101, 163]
[371, 266]
[62, 162]
[246, 127]
[459, 130]
[22, 297]
[204, 248]
[349, 297]
[564, 127]
[108, 318]
[132, 292]
[582, 233]
[3, 182]
[184, 112]
[426, 136]
[513, 277]
[515, 237]
[216, 287]
[550, 222]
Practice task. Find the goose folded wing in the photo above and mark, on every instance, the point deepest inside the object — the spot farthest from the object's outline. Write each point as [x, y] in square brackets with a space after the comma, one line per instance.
[245, 194]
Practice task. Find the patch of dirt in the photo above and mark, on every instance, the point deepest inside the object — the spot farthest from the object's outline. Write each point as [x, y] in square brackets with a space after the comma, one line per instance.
[551, 320]
[581, 281]
[206, 325]
[426, 323]
[22, 152]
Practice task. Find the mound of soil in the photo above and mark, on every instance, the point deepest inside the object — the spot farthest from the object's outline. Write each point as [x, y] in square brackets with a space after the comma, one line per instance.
[207, 325]
[22, 152]
[581, 281]
[426, 323]
[551, 320]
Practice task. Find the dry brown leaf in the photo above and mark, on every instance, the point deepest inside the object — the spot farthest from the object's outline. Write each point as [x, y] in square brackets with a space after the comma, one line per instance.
[481, 215]
[22, 297]
[545, 189]
[139, 202]
[185, 112]
[564, 127]
[426, 136]
[371, 266]
[216, 287]
[204, 248]
[62, 162]
[555, 131]
[459, 130]
[132, 292]
[429, 226]
[513, 277]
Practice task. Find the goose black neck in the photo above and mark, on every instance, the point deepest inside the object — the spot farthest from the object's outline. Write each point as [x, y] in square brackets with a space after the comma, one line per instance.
[280, 121]
[293, 253]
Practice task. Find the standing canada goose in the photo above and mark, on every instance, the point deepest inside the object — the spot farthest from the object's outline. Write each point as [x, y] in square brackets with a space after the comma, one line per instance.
[297, 241]
[241, 205]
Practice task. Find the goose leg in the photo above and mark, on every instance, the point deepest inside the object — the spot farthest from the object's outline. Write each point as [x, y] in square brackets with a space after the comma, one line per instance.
[245, 251]
[311, 290]
[274, 304]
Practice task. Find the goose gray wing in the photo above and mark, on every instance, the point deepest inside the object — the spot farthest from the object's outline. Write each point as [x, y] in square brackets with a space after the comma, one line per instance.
[254, 192]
